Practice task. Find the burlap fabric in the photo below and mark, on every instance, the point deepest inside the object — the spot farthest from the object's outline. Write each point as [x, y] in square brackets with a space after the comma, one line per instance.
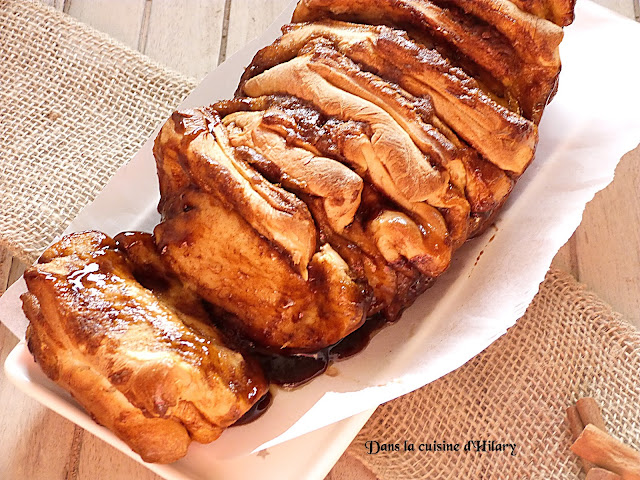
[74, 106]
[568, 345]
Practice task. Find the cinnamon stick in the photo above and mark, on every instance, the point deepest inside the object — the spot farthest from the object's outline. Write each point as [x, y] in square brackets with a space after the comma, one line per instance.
[576, 426]
[590, 413]
[605, 451]
[575, 422]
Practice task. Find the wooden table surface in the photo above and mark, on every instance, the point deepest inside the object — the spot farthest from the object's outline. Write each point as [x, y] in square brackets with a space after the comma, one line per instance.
[193, 36]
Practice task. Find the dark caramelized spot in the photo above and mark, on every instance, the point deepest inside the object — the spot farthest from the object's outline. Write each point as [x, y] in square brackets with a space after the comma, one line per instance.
[121, 376]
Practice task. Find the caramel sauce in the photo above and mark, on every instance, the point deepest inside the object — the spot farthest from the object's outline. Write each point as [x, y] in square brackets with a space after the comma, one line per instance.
[293, 370]
[296, 369]
[256, 411]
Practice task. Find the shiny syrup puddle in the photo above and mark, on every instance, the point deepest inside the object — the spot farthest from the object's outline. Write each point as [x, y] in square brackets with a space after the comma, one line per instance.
[291, 371]
[256, 411]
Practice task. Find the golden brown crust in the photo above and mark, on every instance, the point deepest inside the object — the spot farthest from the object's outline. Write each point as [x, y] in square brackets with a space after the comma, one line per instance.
[500, 136]
[156, 376]
[300, 170]
[485, 185]
[197, 152]
[301, 125]
[408, 178]
[230, 255]
[559, 12]
[516, 49]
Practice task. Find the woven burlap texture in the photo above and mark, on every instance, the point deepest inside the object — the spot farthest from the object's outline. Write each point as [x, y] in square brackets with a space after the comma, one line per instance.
[75, 105]
[568, 345]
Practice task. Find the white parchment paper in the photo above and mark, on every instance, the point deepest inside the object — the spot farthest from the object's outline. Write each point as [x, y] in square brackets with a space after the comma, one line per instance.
[592, 122]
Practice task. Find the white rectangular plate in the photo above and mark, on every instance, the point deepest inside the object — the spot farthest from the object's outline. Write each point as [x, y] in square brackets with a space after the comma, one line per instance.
[310, 456]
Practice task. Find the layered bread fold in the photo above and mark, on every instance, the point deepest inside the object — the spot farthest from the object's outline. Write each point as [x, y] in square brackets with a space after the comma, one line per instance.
[502, 137]
[300, 170]
[559, 12]
[143, 362]
[247, 245]
[392, 265]
[513, 52]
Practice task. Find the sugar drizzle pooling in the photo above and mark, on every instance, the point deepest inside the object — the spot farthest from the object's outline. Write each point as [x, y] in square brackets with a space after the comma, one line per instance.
[256, 411]
[296, 369]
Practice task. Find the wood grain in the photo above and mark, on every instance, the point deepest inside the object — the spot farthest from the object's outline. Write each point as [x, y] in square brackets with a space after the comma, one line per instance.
[604, 251]
[247, 22]
[623, 7]
[608, 257]
[122, 19]
[98, 460]
[57, 4]
[16, 270]
[5, 268]
[186, 35]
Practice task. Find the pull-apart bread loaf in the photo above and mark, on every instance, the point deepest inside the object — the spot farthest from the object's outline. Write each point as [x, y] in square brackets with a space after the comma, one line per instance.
[361, 149]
